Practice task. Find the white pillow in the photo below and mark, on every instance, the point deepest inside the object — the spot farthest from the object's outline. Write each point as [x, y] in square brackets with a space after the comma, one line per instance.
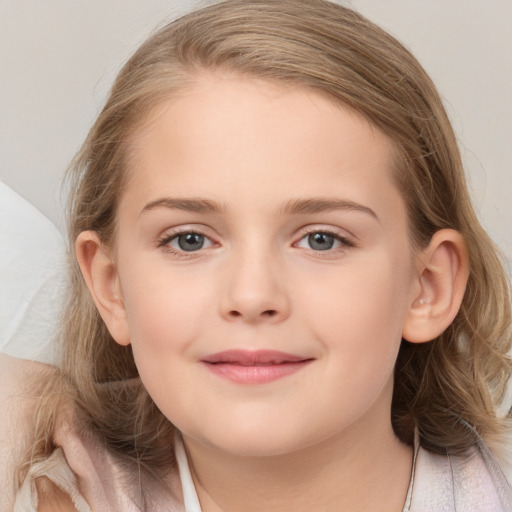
[33, 278]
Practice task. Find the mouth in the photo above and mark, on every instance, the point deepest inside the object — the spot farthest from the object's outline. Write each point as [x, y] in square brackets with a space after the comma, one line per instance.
[254, 367]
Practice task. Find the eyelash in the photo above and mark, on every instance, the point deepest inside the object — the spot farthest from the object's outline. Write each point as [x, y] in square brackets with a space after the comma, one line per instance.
[163, 242]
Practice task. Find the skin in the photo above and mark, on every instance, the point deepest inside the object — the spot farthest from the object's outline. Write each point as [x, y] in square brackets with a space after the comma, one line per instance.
[321, 438]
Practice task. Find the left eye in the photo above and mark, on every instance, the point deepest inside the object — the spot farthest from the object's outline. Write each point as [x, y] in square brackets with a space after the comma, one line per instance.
[189, 242]
[320, 241]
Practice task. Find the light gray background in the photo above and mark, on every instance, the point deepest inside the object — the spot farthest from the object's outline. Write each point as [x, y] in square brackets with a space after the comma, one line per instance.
[59, 57]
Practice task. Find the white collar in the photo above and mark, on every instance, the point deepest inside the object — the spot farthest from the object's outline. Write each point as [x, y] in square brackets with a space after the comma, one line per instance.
[190, 499]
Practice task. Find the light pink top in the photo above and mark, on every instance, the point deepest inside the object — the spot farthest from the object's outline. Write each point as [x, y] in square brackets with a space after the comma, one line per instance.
[97, 481]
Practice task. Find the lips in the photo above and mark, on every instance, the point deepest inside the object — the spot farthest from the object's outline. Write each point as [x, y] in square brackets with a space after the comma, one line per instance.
[254, 367]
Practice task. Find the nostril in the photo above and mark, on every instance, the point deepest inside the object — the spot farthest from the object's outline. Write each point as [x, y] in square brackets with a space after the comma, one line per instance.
[269, 313]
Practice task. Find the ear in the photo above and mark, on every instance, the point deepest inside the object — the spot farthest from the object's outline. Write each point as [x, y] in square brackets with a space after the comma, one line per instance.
[442, 276]
[102, 279]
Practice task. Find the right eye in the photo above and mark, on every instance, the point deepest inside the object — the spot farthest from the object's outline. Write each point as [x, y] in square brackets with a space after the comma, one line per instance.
[323, 241]
[186, 242]
[319, 241]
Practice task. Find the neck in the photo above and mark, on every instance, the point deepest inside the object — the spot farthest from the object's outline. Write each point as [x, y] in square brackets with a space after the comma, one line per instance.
[360, 469]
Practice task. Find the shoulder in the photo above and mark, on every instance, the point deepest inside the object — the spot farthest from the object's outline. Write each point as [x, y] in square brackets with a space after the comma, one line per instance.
[50, 484]
[51, 498]
[82, 474]
[48, 498]
[17, 420]
[465, 483]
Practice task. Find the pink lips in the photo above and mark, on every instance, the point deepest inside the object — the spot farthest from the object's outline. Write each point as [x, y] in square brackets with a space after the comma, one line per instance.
[254, 367]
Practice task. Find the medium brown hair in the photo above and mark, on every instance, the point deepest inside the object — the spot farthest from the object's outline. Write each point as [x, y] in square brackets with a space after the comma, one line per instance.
[442, 386]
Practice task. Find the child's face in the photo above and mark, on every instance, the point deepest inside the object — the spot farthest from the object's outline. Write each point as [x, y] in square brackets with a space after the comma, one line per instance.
[258, 218]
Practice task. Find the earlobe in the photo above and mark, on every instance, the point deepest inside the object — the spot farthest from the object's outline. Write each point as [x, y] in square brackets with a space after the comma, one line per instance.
[101, 277]
[442, 277]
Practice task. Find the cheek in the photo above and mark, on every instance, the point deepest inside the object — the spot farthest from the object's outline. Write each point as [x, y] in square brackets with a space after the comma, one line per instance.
[359, 317]
[164, 319]
[156, 312]
[164, 309]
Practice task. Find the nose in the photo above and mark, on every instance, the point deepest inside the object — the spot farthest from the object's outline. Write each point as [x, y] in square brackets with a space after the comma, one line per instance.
[255, 290]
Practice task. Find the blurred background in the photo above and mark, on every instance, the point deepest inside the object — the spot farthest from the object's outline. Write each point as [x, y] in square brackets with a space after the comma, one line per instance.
[58, 59]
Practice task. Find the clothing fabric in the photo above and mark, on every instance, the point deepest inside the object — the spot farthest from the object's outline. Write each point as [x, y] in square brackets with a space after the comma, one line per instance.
[470, 483]
[96, 481]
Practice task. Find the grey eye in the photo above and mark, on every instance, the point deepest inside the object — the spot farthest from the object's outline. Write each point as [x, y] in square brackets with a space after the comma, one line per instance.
[321, 241]
[189, 241]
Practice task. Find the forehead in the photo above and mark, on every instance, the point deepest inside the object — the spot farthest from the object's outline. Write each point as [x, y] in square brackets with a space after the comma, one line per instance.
[249, 137]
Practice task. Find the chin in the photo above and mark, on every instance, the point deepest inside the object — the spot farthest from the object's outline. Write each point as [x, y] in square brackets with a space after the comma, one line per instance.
[258, 447]
[262, 441]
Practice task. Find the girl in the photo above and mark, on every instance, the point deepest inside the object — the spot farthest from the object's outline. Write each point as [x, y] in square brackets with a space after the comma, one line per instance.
[282, 298]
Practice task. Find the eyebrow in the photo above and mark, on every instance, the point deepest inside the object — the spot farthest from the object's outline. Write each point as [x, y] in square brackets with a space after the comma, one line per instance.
[292, 207]
[311, 206]
[187, 205]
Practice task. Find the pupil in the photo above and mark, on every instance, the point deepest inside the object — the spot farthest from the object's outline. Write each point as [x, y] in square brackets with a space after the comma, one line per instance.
[321, 241]
[191, 241]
